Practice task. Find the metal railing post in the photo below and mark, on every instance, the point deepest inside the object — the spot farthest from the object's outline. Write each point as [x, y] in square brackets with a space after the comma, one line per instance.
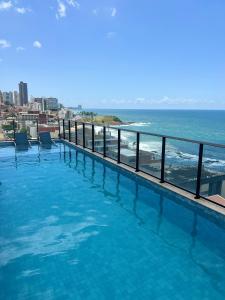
[69, 131]
[75, 132]
[137, 151]
[163, 159]
[37, 129]
[104, 141]
[14, 130]
[83, 135]
[118, 150]
[64, 134]
[93, 137]
[59, 135]
[199, 172]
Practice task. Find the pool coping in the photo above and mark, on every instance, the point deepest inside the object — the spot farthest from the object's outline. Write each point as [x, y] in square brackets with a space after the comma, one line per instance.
[167, 186]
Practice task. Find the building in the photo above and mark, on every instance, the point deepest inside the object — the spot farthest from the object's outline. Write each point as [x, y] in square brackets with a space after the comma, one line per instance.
[23, 117]
[7, 97]
[16, 98]
[23, 93]
[66, 114]
[51, 104]
[35, 106]
[47, 103]
[43, 119]
[1, 97]
[41, 102]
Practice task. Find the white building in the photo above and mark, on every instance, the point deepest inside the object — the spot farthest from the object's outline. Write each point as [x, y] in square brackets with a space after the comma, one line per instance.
[41, 101]
[16, 98]
[65, 114]
[36, 106]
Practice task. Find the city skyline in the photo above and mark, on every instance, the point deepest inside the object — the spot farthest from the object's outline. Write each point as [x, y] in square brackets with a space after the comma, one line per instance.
[110, 54]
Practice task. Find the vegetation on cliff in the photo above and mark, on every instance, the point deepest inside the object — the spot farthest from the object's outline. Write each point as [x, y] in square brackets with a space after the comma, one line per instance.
[100, 119]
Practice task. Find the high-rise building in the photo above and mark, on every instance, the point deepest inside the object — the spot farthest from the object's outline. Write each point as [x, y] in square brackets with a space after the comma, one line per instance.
[51, 103]
[8, 97]
[16, 98]
[23, 93]
[1, 97]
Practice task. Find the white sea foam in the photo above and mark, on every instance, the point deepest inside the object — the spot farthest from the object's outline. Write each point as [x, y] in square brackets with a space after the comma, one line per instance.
[172, 153]
[136, 124]
[141, 124]
[151, 146]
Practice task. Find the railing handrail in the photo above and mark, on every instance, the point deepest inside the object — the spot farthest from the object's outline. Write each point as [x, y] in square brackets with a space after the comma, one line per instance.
[138, 134]
[155, 134]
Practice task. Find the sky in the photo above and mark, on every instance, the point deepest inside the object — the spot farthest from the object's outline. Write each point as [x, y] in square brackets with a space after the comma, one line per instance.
[116, 53]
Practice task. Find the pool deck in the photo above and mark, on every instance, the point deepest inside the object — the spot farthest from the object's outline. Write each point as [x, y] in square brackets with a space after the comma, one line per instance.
[202, 201]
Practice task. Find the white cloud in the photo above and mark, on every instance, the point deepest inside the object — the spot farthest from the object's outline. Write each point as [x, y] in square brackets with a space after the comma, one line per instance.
[113, 12]
[20, 48]
[110, 34]
[95, 11]
[37, 44]
[163, 102]
[61, 10]
[4, 44]
[140, 100]
[73, 3]
[22, 10]
[5, 5]
[105, 11]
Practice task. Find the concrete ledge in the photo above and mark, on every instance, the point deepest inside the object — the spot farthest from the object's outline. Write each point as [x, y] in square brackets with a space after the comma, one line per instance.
[167, 186]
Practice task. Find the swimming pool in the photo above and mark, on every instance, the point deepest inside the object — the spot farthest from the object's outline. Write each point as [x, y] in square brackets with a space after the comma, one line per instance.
[75, 227]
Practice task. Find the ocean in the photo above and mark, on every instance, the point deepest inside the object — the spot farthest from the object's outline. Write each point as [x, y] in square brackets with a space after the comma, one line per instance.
[203, 125]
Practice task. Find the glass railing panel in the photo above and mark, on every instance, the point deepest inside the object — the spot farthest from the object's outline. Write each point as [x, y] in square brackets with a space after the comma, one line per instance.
[128, 148]
[112, 143]
[150, 149]
[72, 131]
[181, 164]
[88, 136]
[98, 143]
[51, 126]
[66, 125]
[213, 174]
[61, 128]
[6, 130]
[80, 134]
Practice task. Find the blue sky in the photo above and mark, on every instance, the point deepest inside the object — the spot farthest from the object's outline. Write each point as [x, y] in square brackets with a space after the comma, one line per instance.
[116, 53]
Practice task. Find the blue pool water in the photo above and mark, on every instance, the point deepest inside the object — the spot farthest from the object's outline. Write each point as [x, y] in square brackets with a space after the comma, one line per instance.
[72, 227]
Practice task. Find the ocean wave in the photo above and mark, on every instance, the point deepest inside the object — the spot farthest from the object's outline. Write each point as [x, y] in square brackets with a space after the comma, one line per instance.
[136, 124]
[173, 154]
[140, 124]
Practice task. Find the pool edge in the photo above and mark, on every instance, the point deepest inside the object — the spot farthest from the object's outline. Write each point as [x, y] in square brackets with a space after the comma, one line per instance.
[166, 186]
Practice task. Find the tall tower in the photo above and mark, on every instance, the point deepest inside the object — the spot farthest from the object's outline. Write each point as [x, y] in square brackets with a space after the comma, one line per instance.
[16, 99]
[23, 93]
[1, 97]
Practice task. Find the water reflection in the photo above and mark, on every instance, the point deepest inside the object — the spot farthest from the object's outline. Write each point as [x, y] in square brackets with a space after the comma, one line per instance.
[155, 210]
[37, 153]
[168, 209]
